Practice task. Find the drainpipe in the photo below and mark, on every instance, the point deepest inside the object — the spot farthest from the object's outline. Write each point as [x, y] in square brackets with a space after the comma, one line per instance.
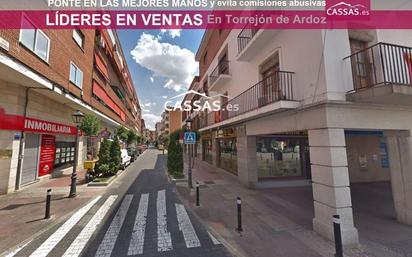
[22, 137]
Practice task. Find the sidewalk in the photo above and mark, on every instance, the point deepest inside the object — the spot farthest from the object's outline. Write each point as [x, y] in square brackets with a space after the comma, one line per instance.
[275, 222]
[22, 213]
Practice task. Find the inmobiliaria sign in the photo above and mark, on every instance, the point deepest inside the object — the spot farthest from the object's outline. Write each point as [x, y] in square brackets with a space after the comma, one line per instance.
[21, 123]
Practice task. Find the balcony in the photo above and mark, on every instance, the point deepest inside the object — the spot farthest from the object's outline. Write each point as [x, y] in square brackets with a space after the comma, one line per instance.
[251, 40]
[272, 94]
[382, 74]
[219, 75]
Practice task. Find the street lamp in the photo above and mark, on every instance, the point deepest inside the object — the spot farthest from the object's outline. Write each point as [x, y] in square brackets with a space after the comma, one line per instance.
[77, 119]
[189, 171]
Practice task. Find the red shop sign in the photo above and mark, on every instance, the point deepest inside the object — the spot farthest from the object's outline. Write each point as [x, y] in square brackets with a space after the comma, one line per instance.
[20, 123]
[47, 154]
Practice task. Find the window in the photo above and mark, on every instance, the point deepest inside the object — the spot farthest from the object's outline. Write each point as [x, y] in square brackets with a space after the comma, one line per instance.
[35, 39]
[78, 37]
[65, 152]
[76, 75]
[228, 154]
[282, 156]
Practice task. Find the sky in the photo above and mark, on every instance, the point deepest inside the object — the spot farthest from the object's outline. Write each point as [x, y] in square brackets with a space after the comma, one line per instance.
[162, 65]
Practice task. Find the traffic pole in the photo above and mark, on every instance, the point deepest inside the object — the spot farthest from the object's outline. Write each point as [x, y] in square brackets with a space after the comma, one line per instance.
[338, 236]
[239, 214]
[197, 194]
[48, 201]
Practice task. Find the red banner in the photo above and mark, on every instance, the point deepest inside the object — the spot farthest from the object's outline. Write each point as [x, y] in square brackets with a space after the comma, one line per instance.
[47, 154]
[20, 123]
[335, 17]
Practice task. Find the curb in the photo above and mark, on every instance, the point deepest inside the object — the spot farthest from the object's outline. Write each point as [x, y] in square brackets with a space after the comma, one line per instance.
[233, 250]
[53, 222]
[108, 182]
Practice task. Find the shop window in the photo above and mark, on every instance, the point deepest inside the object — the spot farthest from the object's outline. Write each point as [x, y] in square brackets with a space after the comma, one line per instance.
[207, 151]
[34, 39]
[280, 157]
[76, 75]
[78, 37]
[228, 154]
[65, 152]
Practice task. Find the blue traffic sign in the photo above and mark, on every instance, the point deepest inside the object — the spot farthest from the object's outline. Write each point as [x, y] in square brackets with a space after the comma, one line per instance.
[189, 138]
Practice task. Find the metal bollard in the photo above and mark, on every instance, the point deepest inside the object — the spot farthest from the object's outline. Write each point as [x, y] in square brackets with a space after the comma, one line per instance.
[338, 236]
[48, 200]
[239, 214]
[197, 194]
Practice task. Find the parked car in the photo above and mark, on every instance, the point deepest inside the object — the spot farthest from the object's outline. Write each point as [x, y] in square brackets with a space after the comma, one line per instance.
[125, 159]
[142, 148]
[133, 153]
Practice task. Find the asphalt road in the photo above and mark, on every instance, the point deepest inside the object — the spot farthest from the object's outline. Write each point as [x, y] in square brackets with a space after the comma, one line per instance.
[139, 215]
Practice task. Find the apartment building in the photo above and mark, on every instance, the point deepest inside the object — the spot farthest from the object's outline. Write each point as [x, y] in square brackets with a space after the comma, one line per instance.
[45, 76]
[320, 108]
[171, 121]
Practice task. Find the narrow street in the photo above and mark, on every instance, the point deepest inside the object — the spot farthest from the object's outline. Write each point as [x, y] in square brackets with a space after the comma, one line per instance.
[139, 214]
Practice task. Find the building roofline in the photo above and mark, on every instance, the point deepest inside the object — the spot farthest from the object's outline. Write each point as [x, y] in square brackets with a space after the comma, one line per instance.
[203, 43]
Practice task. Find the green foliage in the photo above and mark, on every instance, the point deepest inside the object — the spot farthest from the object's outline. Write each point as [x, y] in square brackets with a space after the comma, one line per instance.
[131, 137]
[103, 164]
[175, 156]
[90, 125]
[163, 139]
[122, 133]
[115, 156]
[109, 158]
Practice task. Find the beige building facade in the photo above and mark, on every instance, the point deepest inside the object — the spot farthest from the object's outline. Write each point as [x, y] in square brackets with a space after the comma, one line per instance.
[319, 108]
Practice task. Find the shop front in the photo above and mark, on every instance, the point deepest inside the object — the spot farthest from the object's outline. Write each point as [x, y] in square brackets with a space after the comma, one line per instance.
[282, 156]
[227, 150]
[207, 147]
[47, 145]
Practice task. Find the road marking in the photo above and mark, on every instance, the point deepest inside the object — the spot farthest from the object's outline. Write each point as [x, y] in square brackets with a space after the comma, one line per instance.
[106, 246]
[81, 240]
[189, 233]
[13, 253]
[214, 240]
[137, 240]
[48, 245]
[164, 241]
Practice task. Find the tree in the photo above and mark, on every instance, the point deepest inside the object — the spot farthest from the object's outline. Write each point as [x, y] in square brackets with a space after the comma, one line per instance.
[131, 137]
[115, 156]
[90, 126]
[175, 156]
[122, 133]
[103, 164]
[163, 139]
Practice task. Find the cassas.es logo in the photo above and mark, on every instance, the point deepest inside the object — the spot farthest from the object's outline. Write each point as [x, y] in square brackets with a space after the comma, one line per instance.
[211, 103]
[343, 9]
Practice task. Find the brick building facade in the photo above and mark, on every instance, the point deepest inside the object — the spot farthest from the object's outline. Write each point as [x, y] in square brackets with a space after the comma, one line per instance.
[45, 76]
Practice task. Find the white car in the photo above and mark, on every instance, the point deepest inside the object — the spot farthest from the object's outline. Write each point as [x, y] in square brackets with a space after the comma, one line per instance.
[125, 159]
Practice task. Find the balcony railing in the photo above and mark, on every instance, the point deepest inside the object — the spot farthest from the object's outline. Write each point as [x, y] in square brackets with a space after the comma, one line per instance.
[271, 89]
[245, 36]
[221, 68]
[381, 64]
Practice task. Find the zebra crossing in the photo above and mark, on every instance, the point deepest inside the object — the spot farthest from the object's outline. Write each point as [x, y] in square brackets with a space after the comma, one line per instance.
[137, 238]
